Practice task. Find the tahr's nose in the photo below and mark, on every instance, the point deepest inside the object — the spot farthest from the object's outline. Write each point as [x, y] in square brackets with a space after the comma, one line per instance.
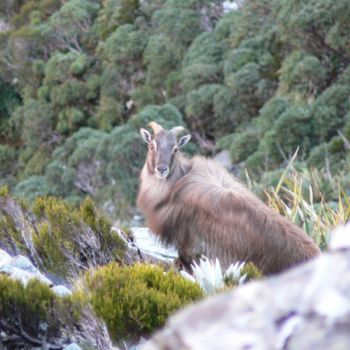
[162, 170]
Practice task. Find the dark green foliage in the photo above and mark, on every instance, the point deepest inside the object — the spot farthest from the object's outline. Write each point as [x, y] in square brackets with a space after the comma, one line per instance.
[199, 109]
[201, 65]
[36, 163]
[124, 45]
[38, 123]
[320, 26]
[249, 90]
[243, 145]
[161, 59]
[32, 187]
[115, 13]
[9, 100]
[7, 159]
[78, 77]
[179, 22]
[136, 300]
[329, 111]
[302, 74]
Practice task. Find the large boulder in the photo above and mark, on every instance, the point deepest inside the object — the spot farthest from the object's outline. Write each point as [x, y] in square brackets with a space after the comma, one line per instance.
[305, 308]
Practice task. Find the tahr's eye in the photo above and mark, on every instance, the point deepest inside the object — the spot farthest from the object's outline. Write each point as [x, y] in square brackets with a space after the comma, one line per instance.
[175, 150]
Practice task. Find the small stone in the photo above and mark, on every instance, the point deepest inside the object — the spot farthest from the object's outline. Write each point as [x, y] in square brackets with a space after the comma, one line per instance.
[72, 346]
[23, 263]
[224, 159]
[62, 291]
[21, 268]
[4, 257]
[149, 243]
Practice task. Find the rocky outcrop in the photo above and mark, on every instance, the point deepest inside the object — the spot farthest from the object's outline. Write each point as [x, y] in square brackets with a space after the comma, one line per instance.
[305, 308]
[19, 267]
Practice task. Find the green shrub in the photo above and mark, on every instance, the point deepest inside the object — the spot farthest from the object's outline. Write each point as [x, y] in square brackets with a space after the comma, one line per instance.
[301, 73]
[256, 164]
[10, 235]
[270, 112]
[7, 158]
[4, 191]
[224, 107]
[135, 300]
[250, 91]
[239, 58]
[35, 309]
[32, 187]
[291, 130]
[318, 155]
[243, 144]
[37, 163]
[71, 239]
[80, 65]
[201, 64]
[329, 111]
[251, 272]
[199, 108]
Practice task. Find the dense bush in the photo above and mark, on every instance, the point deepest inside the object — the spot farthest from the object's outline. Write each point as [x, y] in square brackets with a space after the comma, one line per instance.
[136, 300]
[260, 80]
[35, 311]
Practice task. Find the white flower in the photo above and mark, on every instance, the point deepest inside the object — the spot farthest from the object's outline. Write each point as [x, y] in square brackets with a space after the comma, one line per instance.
[234, 272]
[209, 276]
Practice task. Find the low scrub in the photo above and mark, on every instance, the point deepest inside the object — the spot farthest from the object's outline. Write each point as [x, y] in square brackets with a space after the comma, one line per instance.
[135, 300]
[34, 314]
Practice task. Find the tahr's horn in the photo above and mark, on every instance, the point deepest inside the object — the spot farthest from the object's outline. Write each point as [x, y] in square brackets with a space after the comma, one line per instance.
[155, 127]
[177, 129]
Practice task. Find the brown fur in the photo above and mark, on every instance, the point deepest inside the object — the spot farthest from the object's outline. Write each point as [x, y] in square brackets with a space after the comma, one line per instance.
[202, 210]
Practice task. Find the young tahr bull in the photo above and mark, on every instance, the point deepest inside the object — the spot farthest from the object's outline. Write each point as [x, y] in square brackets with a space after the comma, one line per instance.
[201, 209]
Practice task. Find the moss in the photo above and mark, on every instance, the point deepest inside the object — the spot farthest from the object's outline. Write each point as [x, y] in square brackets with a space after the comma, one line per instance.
[135, 300]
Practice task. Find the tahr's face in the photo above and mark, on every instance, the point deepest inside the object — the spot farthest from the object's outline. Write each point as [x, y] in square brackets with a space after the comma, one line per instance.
[162, 149]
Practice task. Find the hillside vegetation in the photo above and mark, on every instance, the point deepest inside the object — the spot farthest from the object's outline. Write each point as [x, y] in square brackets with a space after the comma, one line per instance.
[79, 77]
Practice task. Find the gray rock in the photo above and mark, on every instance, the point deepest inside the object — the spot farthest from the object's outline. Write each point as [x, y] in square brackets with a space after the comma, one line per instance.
[143, 246]
[24, 263]
[72, 346]
[62, 291]
[21, 268]
[148, 243]
[224, 159]
[305, 308]
[4, 257]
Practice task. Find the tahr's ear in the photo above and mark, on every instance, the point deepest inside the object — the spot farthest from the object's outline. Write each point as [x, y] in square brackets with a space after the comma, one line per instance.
[146, 135]
[184, 140]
